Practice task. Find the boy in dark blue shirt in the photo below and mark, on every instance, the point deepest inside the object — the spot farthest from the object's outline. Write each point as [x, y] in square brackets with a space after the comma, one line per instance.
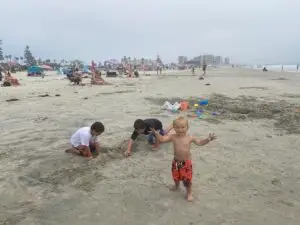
[144, 127]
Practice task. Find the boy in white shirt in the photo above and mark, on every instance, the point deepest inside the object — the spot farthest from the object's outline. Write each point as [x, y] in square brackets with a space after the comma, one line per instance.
[85, 140]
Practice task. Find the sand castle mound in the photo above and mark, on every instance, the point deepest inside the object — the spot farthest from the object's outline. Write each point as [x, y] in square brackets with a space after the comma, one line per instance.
[285, 114]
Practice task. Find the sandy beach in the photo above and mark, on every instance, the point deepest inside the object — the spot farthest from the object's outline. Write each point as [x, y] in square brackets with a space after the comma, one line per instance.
[249, 175]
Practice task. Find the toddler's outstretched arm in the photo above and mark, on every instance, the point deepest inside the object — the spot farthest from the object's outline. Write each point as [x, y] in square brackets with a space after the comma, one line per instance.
[170, 127]
[205, 141]
[166, 138]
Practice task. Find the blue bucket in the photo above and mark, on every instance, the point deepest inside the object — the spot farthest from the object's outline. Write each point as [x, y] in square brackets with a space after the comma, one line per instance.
[203, 102]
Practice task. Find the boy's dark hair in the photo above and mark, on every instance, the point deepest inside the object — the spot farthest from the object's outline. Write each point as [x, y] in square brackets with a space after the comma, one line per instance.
[97, 127]
[139, 124]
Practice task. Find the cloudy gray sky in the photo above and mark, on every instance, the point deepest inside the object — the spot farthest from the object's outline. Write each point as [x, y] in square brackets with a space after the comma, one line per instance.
[266, 31]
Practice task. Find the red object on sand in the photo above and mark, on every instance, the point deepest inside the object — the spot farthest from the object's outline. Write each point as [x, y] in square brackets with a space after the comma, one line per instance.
[184, 105]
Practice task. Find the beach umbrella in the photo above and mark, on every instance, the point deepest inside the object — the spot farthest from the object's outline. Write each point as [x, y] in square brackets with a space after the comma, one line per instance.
[46, 67]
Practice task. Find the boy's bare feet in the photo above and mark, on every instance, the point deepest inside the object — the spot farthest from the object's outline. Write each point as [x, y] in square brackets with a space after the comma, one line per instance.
[71, 150]
[155, 147]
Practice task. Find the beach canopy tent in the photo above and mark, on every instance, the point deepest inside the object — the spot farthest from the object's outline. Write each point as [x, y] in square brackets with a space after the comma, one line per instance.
[67, 71]
[86, 69]
[33, 71]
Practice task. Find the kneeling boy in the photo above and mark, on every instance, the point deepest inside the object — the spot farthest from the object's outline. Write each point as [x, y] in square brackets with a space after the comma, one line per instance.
[85, 140]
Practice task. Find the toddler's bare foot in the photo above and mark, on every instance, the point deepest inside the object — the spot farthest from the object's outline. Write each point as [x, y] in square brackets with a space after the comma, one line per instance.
[190, 197]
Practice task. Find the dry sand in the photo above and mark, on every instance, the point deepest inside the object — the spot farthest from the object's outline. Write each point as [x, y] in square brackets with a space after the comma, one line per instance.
[250, 175]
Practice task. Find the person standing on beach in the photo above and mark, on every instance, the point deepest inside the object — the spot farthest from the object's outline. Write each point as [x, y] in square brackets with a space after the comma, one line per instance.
[193, 70]
[182, 164]
[204, 69]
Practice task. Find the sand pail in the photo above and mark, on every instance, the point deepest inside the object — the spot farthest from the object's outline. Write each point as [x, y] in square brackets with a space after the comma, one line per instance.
[184, 105]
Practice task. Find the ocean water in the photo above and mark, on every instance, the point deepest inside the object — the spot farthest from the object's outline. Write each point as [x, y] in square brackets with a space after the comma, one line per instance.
[278, 68]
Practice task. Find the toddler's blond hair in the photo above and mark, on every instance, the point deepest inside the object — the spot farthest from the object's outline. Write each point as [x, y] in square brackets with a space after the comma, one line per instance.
[180, 121]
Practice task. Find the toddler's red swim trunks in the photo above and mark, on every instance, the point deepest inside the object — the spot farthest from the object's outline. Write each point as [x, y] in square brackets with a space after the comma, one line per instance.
[182, 171]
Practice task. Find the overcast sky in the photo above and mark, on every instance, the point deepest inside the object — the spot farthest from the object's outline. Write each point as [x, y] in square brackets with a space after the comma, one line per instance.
[253, 31]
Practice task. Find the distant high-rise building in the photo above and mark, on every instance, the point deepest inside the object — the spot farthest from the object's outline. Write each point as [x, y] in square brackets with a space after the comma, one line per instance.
[218, 60]
[207, 59]
[227, 61]
[182, 59]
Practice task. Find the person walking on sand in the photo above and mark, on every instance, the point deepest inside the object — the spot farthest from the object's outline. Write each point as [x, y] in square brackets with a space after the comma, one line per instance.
[204, 67]
[159, 70]
[193, 71]
[182, 164]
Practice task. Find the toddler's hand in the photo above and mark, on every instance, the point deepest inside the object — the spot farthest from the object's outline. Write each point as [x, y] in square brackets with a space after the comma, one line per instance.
[152, 130]
[212, 136]
[127, 154]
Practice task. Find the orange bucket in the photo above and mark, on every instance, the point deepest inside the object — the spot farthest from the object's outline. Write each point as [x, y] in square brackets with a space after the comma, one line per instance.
[184, 105]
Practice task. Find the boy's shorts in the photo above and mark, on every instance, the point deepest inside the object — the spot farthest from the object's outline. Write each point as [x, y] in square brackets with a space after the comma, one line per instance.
[152, 138]
[182, 171]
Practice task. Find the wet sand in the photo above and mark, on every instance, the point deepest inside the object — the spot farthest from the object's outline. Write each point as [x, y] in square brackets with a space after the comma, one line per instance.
[249, 175]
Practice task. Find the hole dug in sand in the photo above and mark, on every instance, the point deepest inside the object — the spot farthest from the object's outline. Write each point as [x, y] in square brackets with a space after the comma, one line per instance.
[75, 172]
[12, 100]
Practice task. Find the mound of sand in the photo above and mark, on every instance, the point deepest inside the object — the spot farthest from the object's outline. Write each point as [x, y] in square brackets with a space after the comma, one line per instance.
[284, 113]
